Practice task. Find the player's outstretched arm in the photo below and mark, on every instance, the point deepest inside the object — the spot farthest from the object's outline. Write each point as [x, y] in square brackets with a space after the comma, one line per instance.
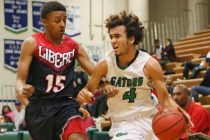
[100, 71]
[23, 91]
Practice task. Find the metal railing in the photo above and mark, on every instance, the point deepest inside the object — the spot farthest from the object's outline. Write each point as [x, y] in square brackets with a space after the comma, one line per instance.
[201, 15]
[174, 27]
[177, 27]
[7, 96]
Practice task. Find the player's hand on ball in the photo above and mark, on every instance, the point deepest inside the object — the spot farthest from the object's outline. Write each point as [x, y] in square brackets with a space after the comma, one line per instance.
[111, 91]
[85, 96]
[187, 117]
[28, 90]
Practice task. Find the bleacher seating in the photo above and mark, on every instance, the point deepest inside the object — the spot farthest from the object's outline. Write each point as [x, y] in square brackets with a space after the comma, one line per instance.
[26, 135]
[189, 83]
[171, 65]
[201, 35]
[15, 135]
[202, 50]
[192, 40]
[102, 135]
[10, 134]
[187, 57]
[205, 100]
[94, 134]
[180, 76]
[9, 126]
[179, 69]
[190, 49]
[194, 45]
[197, 60]
[207, 107]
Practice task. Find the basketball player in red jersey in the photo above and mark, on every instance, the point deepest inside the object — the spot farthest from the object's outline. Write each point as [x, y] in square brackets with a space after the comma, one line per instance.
[46, 72]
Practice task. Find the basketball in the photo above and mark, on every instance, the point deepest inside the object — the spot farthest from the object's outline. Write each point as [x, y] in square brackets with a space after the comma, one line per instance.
[169, 124]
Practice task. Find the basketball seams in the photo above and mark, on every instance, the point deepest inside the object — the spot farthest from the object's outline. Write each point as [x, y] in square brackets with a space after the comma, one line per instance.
[169, 122]
[171, 125]
[156, 120]
[183, 129]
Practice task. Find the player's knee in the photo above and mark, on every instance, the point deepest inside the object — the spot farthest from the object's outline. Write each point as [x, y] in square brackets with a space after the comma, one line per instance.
[76, 136]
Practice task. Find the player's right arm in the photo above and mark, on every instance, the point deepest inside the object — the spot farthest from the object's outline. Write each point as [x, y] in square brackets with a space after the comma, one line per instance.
[85, 95]
[100, 71]
[23, 90]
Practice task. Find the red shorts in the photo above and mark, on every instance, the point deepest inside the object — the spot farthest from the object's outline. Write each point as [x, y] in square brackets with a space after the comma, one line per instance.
[75, 125]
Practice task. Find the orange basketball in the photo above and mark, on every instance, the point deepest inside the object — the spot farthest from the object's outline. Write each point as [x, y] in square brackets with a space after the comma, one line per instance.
[169, 124]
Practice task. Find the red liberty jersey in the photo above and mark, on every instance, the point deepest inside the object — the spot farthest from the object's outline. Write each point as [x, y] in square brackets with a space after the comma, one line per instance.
[52, 68]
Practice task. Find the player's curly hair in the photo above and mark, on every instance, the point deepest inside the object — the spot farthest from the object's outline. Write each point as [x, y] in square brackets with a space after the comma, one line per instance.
[131, 22]
[50, 7]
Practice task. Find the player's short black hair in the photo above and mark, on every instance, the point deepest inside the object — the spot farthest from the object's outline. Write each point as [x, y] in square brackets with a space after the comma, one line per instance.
[131, 22]
[50, 7]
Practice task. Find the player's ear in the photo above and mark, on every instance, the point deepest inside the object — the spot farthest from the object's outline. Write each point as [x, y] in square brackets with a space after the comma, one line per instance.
[132, 40]
[44, 22]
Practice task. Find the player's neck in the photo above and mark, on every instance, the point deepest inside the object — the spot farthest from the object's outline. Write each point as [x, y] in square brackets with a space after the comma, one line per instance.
[126, 60]
[56, 41]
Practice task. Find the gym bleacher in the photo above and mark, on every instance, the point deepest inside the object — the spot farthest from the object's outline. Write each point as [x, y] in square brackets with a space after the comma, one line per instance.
[7, 133]
[190, 49]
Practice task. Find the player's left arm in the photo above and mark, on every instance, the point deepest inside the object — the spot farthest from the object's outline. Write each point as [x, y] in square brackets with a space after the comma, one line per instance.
[153, 71]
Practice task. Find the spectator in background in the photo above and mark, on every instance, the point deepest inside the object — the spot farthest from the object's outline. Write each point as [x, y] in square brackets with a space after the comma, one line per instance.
[199, 115]
[168, 51]
[196, 68]
[101, 105]
[169, 85]
[2, 118]
[19, 114]
[7, 111]
[23, 126]
[80, 80]
[5, 119]
[157, 50]
[204, 87]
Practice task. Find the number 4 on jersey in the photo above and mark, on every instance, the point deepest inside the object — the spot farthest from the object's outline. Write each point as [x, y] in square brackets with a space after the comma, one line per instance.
[130, 95]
